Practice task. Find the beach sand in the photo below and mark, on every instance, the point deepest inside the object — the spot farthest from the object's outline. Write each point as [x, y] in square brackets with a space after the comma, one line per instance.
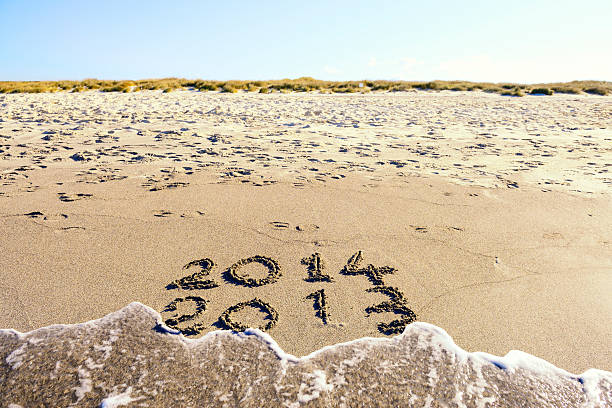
[491, 214]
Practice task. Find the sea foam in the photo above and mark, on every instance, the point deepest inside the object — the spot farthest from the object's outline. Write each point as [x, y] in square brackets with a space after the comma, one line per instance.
[129, 358]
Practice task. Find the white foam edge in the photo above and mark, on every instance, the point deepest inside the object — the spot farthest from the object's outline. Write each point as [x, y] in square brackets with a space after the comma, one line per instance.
[512, 361]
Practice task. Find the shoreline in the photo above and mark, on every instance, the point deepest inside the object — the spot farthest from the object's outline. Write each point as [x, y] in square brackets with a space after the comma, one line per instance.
[134, 337]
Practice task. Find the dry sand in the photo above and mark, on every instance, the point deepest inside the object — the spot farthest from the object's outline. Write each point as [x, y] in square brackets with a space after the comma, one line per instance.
[495, 212]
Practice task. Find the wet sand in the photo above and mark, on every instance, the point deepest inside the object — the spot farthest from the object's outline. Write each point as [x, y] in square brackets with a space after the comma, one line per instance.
[128, 358]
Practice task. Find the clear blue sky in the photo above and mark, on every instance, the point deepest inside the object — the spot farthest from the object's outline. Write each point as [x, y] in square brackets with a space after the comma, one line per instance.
[521, 41]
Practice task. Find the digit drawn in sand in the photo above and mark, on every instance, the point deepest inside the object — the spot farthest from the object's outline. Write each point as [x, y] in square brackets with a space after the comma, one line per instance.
[397, 304]
[272, 315]
[196, 280]
[397, 300]
[274, 272]
[315, 267]
[320, 304]
[373, 273]
[396, 326]
[353, 262]
[173, 322]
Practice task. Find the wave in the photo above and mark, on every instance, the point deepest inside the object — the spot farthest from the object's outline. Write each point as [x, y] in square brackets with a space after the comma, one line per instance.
[129, 358]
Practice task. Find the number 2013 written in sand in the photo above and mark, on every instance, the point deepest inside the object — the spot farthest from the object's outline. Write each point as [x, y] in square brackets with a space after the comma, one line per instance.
[315, 268]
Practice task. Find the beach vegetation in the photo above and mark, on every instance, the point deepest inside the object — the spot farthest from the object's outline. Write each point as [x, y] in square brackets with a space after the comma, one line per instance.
[304, 84]
[207, 86]
[565, 89]
[228, 88]
[598, 91]
[516, 91]
[541, 91]
[427, 86]
[493, 89]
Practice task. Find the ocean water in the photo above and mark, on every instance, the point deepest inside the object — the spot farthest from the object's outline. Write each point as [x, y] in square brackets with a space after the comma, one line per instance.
[129, 358]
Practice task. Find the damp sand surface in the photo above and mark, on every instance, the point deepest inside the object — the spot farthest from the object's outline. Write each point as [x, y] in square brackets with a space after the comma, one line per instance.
[85, 365]
[489, 215]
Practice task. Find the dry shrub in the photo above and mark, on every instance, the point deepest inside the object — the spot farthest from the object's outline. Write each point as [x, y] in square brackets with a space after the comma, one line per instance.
[597, 91]
[304, 84]
[541, 91]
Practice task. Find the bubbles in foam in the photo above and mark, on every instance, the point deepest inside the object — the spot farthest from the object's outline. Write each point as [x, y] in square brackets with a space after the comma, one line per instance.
[118, 399]
[129, 356]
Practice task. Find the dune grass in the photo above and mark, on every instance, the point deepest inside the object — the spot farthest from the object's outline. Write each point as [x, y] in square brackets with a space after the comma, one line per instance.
[304, 84]
[541, 91]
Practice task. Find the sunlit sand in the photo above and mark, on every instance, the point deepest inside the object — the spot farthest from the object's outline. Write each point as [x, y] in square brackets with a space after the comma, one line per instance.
[318, 219]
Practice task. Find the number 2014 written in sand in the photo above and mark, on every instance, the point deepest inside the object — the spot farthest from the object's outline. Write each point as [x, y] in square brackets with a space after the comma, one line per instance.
[316, 272]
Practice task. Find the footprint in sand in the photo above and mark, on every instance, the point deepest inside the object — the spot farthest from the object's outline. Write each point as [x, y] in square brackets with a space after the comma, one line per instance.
[52, 220]
[425, 229]
[99, 175]
[182, 214]
[420, 229]
[68, 197]
[35, 214]
[505, 270]
[46, 217]
[279, 225]
[191, 214]
[307, 227]
[162, 186]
